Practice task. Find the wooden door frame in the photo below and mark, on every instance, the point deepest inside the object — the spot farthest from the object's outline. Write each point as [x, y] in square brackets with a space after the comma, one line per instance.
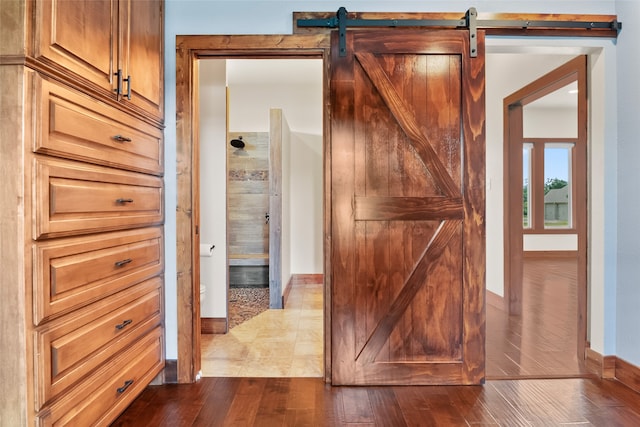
[190, 49]
[576, 69]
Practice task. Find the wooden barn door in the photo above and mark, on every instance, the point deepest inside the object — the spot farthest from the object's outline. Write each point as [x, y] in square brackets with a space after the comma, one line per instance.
[407, 185]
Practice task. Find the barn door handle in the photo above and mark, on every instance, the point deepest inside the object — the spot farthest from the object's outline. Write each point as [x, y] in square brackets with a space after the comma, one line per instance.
[123, 262]
[266, 217]
[123, 201]
[124, 387]
[124, 324]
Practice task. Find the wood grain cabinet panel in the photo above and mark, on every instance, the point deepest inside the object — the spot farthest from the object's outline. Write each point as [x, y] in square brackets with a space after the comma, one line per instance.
[75, 126]
[73, 346]
[143, 55]
[73, 272]
[115, 47]
[80, 37]
[73, 198]
[102, 395]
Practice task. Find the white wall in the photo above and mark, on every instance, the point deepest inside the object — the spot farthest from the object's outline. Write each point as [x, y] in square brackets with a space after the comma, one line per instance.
[213, 175]
[541, 122]
[628, 292]
[274, 17]
[307, 206]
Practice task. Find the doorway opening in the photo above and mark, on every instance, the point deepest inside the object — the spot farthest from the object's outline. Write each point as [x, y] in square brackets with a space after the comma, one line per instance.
[261, 137]
[538, 329]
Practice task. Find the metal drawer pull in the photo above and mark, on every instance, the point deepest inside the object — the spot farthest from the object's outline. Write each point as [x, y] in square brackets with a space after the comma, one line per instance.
[126, 385]
[124, 324]
[122, 201]
[118, 89]
[123, 262]
[128, 94]
[121, 138]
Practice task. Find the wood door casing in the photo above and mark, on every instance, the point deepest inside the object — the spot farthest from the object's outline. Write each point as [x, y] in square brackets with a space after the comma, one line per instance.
[408, 209]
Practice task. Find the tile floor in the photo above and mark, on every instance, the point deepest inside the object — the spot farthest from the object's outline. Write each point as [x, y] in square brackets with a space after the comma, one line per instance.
[275, 343]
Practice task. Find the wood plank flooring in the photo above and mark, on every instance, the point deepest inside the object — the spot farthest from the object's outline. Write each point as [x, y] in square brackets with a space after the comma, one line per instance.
[309, 402]
[542, 343]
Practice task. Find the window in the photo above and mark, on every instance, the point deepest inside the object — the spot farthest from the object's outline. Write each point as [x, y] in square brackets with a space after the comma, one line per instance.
[558, 205]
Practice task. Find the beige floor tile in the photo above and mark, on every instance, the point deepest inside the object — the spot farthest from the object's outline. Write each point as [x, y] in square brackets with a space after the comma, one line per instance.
[218, 368]
[270, 367]
[307, 367]
[275, 343]
[307, 348]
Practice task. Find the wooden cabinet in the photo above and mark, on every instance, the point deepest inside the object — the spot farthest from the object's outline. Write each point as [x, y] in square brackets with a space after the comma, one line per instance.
[82, 292]
[74, 272]
[76, 126]
[106, 392]
[76, 198]
[68, 351]
[113, 45]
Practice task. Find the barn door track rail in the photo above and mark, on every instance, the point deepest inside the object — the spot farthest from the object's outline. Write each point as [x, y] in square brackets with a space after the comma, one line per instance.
[555, 27]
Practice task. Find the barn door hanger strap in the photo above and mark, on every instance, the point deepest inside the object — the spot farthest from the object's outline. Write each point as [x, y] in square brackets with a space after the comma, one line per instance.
[470, 21]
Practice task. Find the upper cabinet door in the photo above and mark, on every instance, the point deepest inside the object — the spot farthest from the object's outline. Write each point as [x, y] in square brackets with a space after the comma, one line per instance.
[142, 55]
[112, 46]
[80, 36]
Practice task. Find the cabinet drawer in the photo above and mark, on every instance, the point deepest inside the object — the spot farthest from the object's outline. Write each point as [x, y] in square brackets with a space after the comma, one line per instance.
[75, 126]
[73, 346]
[77, 198]
[73, 272]
[103, 395]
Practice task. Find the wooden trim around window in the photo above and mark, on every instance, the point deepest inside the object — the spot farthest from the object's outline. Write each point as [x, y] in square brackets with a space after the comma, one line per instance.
[550, 254]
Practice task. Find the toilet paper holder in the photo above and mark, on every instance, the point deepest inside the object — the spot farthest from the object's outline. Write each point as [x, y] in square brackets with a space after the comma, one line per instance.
[206, 249]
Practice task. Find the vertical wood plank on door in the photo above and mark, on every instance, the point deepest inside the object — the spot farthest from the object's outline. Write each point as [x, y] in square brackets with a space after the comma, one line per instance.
[473, 108]
[343, 183]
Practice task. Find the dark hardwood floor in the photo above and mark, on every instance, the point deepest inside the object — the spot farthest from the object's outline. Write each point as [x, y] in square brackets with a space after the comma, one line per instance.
[309, 402]
[541, 343]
